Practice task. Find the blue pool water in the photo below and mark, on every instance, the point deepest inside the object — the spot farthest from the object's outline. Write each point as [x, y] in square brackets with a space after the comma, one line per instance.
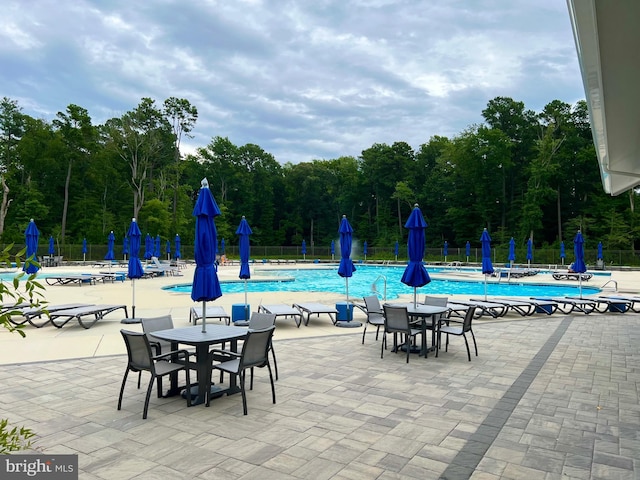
[361, 284]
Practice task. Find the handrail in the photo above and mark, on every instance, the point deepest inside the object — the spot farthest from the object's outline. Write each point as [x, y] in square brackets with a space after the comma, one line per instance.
[375, 289]
[615, 283]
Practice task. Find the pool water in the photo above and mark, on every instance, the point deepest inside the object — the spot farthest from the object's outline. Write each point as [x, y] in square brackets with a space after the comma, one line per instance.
[368, 279]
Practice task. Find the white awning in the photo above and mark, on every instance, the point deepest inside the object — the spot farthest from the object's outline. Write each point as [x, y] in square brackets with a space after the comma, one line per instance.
[608, 43]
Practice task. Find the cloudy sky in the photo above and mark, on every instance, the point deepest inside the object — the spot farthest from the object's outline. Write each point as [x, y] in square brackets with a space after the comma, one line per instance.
[304, 80]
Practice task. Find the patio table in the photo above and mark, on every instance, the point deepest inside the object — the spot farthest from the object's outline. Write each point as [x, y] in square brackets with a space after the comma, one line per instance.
[423, 312]
[215, 334]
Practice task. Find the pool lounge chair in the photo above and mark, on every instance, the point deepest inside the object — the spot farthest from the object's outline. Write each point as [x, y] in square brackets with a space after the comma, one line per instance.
[485, 307]
[521, 307]
[568, 305]
[316, 309]
[571, 276]
[632, 301]
[72, 279]
[606, 304]
[282, 310]
[33, 315]
[547, 307]
[60, 318]
[214, 312]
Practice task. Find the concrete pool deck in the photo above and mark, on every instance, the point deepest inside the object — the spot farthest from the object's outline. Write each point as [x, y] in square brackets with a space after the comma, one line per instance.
[554, 397]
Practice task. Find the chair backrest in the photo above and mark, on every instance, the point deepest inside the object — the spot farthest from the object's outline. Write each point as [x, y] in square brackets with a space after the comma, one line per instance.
[255, 347]
[261, 321]
[396, 319]
[138, 350]
[153, 324]
[468, 317]
[436, 301]
[372, 304]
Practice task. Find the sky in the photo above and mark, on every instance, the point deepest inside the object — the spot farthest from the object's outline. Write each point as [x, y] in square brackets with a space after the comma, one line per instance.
[305, 80]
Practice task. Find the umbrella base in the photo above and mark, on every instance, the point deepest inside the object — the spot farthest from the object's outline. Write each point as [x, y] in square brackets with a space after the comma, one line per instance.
[348, 324]
[215, 392]
[130, 321]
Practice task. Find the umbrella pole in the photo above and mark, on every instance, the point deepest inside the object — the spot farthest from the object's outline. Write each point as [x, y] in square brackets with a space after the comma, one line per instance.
[580, 277]
[415, 297]
[485, 287]
[346, 281]
[204, 317]
[133, 304]
[246, 303]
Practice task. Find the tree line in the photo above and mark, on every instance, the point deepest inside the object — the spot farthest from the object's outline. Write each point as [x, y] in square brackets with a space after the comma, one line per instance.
[520, 174]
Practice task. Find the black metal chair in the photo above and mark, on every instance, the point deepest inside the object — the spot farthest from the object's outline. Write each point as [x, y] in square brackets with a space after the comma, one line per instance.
[142, 359]
[459, 329]
[396, 321]
[255, 353]
[375, 315]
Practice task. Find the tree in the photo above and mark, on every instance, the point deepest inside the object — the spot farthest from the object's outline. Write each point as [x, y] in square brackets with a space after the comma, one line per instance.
[11, 130]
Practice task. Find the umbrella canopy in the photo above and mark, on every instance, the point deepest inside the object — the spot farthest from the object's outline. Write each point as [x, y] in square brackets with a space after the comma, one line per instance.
[156, 250]
[487, 267]
[562, 254]
[134, 269]
[84, 246]
[346, 267]
[303, 250]
[177, 242]
[148, 247]
[529, 250]
[52, 248]
[168, 249]
[206, 286]
[445, 249]
[110, 242]
[125, 246]
[222, 246]
[396, 250]
[512, 251]
[365, 247]
[31, 236]
[600, 251]
[243, 231]
[468, 250]
[415, 275]
[333, 248]
[578, 250]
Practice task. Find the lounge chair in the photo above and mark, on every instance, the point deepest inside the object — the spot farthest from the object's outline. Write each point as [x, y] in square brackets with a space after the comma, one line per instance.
[522, 307]
[486, 307]
[33, 315]
[631, 300]
[316, 309]
[605, 304]
[60, 318]
[568, 305]
[547, 307]
[214, 312]
[562, 275]
[71, 279]
[162, 269]
[282, 310]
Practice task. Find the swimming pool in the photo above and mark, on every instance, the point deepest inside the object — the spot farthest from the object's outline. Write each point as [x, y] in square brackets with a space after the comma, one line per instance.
[326, 279]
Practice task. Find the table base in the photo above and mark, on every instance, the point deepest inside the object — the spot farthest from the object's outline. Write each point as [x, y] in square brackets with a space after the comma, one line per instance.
[348, 324]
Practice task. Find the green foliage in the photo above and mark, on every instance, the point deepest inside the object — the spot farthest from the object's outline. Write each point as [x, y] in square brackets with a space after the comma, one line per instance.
[27, 291]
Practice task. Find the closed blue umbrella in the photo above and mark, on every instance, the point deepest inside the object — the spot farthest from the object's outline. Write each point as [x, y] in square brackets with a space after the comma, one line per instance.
[168, 249]
[396, 250]
[110, 242]
[243, 231]
[365, 247]
[578, 250]
[529, 251]
[346, 267]
[31, 236]
[445, 250]
[415, 275]
[206, 286]
[178, 245]
[487, 266]
[333, 249]
[562, 254]
[512, 251]
[125, 247]
[52, 248]
[600, 251]
[148, 247]
[468, 250]
[156, 250]
[222, 247]
[84, 249]
[303, 250]
[134, 269]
